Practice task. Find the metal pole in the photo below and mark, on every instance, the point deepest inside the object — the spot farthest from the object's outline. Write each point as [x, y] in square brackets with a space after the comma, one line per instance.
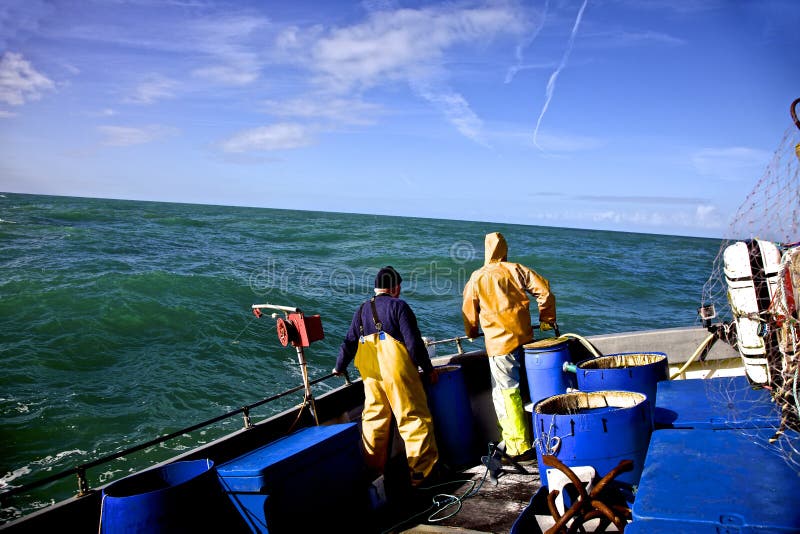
[309, 399]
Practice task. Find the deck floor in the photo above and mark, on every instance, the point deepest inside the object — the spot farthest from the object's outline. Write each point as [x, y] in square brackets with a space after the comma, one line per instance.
[485, 506]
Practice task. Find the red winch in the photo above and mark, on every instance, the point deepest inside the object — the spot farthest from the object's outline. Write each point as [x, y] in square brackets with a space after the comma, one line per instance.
[299, 330]
[295, 328]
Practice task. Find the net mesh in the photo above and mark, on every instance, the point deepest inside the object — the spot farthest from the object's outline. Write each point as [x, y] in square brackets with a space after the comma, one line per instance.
[753, 287]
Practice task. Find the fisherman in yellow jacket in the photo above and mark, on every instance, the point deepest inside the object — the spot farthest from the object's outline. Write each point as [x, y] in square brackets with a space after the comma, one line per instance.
[495, 298]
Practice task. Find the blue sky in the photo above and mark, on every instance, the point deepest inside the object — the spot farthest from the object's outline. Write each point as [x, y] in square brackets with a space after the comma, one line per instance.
[653, 116]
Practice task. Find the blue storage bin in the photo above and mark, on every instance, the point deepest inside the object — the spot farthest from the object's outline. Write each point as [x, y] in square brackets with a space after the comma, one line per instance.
[453, 423]
[715, 403]
[177, 497]
[597, 429]
[301, 481]
[526, 522]
[625, 371]
[712, 481]
[544, 368]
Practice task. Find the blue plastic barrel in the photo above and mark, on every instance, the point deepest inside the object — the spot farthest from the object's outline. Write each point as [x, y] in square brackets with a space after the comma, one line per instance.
[544, 363]
[178, 497]
[453, 422]
[598, 429]
[628, 371]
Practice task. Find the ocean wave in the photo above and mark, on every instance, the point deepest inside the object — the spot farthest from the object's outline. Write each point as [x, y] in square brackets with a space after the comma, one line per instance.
[5, 480]
[51, 460]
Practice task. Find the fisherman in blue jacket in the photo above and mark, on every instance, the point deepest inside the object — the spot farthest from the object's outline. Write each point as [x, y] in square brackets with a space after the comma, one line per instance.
[388, 349]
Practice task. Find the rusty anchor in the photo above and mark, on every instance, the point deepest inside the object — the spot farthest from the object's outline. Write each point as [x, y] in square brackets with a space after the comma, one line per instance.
[588, 505]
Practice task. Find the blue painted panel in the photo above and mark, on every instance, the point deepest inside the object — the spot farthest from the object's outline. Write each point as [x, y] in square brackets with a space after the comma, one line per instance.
[710, 481]
[717, 403]
[317, 468]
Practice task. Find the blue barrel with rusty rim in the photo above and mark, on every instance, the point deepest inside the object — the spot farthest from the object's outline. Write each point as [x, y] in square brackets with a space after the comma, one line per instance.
[597, 429]
[628, 371]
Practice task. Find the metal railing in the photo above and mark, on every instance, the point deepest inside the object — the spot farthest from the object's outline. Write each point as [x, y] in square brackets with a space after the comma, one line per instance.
[456, 340]
[80, 470]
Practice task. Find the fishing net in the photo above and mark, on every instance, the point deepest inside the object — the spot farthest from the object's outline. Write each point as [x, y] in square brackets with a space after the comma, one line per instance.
[753, 288]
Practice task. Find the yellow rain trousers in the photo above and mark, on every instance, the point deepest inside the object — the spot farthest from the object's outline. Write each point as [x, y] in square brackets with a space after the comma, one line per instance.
[392, 385]
[507, 401]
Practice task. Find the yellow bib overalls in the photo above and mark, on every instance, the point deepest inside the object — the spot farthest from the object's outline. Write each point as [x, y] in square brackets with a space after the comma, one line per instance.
[392, 385]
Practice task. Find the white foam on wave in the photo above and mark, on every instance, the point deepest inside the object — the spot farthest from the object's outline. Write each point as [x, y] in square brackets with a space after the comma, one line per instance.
[50, 460]
[46, 463]
[106, 476]
[13, 405]
[5, 480]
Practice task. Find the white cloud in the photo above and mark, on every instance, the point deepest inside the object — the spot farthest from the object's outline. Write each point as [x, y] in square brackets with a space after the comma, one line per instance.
[457, 110]
[411, 46]
[640, 199]
[227, 74]
[704, 211]
[340, 110]
[604, 216]
[19, 81]
[126, 135]
[390, 46]
[281, 136]
[407, 43]
[6, 114]
[686, 219]
[154, 88]
[705, 216]
[226, 42]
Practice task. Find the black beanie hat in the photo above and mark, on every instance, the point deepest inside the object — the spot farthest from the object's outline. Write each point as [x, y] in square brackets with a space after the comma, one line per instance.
[387, 278]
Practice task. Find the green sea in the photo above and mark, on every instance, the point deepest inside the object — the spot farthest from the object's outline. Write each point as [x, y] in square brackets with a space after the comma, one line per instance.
[123, 320]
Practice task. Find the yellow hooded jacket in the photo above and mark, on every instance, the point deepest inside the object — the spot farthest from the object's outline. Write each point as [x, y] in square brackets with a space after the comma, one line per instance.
[496, 296]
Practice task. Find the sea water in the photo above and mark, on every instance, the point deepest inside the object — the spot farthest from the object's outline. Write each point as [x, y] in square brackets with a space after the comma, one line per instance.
[122, 320]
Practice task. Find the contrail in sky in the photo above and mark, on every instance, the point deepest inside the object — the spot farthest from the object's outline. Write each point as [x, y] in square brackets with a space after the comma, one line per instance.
[551, 84]
[512, 71]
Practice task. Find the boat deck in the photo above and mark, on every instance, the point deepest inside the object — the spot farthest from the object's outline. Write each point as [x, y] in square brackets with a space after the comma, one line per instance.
[471, 502]
[493, 507]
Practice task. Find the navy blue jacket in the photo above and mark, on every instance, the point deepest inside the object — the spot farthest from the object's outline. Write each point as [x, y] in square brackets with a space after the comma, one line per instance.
[397, 320]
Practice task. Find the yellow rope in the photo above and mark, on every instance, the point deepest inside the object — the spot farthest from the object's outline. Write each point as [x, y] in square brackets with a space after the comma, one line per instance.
[694, 356]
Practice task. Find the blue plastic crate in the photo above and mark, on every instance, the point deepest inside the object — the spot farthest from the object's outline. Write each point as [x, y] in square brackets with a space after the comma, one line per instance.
[527, 522]
[713, 481]
[294, 483]
[716, 403]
